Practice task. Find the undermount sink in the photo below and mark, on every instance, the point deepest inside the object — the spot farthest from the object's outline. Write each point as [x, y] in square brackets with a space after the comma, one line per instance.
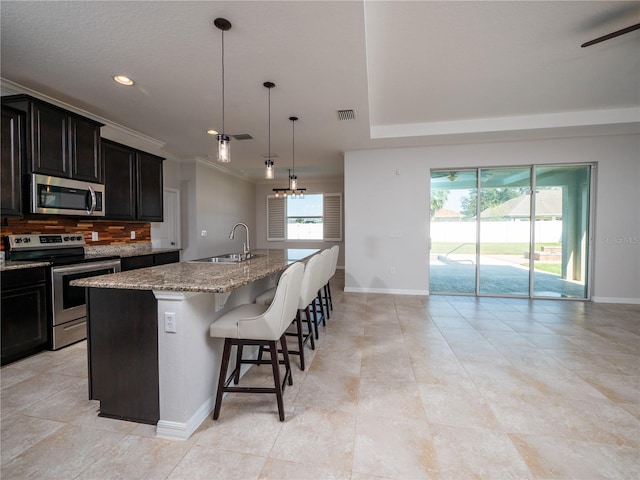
[228, 258]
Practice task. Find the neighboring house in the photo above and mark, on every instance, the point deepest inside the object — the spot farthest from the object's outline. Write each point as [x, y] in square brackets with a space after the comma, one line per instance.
[446, 215]
[548, 207]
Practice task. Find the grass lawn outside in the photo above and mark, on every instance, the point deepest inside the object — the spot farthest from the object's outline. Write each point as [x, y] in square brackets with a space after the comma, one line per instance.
[505, 248]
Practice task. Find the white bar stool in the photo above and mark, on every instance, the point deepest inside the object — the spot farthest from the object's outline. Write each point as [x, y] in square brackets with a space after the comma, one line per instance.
[259, 325]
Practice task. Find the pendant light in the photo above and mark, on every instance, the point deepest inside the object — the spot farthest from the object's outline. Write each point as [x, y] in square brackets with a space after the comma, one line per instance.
[224, 148]
[293, 180]
[292, 189]
[269, 173]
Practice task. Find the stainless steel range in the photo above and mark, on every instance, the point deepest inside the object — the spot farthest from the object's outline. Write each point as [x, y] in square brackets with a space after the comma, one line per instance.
[68, 261]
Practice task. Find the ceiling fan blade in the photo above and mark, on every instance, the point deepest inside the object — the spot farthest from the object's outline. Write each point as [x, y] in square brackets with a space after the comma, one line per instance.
[611, 35]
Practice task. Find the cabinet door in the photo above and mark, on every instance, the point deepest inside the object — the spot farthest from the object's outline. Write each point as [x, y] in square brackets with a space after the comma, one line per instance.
[119, 181]
[165, 258]
[86, 163]
[11, 168]
[49, 140]
[149, 188]
[133, 263]
[24, 317]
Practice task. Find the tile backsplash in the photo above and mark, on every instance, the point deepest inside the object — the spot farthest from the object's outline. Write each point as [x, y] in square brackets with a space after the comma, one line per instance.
[109, 232]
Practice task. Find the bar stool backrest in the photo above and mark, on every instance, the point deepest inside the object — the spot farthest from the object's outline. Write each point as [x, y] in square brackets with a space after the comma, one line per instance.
[327, 261]
[310, 281]
[277, 318]
[336, 251]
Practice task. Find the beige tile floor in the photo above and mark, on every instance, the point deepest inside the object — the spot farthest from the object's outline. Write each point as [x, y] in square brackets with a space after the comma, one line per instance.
[399, 387]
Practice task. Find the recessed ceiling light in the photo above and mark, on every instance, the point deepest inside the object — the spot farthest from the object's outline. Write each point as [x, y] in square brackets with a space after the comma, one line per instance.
[121, 79]
[212, 132]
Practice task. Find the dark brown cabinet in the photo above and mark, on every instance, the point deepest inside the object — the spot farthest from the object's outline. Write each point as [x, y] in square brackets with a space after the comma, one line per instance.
[122, 346]
[24, 313]
[58, 142]
[150, 260]
[133, 183]
[149, 177]
[12, 145]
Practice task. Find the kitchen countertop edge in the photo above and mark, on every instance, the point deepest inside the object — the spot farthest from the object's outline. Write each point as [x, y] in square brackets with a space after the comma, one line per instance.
[197, 277]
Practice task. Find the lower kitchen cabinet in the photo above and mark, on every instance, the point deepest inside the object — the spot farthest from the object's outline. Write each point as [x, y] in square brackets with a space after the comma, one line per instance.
[24, 313]
[149, 260]
[122, 345]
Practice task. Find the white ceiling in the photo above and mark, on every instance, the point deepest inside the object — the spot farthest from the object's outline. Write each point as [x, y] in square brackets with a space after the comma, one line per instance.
[415, 72]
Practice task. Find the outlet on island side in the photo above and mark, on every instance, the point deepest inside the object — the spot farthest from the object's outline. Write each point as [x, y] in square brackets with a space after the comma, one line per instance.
[170, 322]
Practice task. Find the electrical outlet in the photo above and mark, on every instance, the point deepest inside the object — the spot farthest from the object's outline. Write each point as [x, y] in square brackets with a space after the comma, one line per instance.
[94, 236]
[203, 233]
[392, 270]
[170, 322]
[133, 234]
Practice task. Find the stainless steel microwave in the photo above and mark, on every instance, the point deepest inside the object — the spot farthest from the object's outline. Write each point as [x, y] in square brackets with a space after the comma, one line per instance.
[63, 196]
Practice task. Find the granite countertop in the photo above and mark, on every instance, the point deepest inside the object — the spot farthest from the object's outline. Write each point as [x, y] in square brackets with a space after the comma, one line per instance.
[200, 276]
[20, 264]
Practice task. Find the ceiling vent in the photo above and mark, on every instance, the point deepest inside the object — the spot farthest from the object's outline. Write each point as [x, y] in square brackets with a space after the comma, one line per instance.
[348, 114]
[242, 136]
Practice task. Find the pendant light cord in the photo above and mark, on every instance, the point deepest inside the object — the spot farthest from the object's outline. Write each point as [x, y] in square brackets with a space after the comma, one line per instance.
[293, 146]
[222, 81]
[269, 123]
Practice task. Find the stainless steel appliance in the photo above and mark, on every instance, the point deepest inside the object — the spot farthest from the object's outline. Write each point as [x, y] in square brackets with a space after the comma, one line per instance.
[63, 196]
[68, 262]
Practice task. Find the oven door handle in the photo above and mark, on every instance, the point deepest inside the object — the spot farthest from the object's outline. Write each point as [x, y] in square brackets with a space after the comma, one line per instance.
[92, 206]
[85, 267]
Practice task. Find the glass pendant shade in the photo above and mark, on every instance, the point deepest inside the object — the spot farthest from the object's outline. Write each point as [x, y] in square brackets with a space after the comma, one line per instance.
[293, 184]
[224, 149]
[269, 170]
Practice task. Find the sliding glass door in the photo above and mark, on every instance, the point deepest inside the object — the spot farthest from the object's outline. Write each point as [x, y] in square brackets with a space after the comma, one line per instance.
[505, 231]
[560, 261]
[521, 231]
[453, 232]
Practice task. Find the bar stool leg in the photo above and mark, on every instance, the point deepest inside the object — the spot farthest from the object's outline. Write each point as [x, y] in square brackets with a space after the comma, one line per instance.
[287, 364]
[236, 376]
[226, 353]
[310, 327]
[276, 378]
[298, 323]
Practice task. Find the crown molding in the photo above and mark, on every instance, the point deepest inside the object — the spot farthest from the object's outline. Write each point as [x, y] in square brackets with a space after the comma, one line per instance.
[110, 130]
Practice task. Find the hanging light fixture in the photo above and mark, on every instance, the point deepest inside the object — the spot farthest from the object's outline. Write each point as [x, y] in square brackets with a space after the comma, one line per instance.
[293, 180]
[269, 173]
[224, 148]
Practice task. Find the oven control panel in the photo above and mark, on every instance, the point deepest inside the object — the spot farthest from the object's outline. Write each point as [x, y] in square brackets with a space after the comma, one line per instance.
[44, 241]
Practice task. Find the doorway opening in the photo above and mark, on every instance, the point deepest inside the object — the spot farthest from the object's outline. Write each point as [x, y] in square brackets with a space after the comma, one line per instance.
[511, 231]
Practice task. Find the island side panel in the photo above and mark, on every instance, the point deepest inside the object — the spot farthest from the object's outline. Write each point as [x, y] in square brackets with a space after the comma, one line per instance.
[122, 341]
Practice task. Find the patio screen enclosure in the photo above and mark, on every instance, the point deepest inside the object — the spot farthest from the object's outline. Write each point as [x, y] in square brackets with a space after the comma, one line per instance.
[519, 231]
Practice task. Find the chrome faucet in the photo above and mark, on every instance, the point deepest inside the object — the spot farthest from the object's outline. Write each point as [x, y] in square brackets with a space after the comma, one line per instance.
[245, 245]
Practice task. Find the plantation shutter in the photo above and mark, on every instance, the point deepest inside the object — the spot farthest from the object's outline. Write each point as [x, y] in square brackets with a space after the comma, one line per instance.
[332, 217]
[276, 219]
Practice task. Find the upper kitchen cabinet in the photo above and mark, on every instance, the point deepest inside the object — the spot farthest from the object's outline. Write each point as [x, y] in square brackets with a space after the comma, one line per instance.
[149, 179]
[58, 142]
[132, 182]
[12, 145]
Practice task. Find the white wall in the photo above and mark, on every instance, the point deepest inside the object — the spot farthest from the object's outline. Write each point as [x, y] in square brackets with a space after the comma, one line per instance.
[265, 189]
[387, 212]
[214, 201]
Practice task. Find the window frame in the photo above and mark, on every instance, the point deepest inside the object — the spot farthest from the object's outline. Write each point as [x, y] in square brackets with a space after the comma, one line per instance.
[277, 218]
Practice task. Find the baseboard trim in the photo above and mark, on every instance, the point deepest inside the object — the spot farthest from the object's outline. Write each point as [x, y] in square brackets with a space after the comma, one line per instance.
[627, 301]
[389, 291]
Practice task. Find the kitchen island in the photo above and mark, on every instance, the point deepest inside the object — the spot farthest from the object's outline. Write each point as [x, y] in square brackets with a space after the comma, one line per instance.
[151, 359]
